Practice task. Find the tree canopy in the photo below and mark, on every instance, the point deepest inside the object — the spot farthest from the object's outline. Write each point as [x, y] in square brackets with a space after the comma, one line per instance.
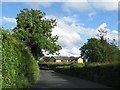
[99, 50]
[35, 31]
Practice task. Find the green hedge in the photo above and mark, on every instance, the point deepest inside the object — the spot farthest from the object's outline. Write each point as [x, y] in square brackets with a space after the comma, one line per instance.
[52, 66]
[0, 60]
[105, 74]
[19, 68]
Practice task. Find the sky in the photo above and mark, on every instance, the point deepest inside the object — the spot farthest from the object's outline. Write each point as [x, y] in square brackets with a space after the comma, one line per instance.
[76, 21]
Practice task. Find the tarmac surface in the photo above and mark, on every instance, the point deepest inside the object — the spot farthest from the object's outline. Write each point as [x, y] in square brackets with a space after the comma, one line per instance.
[51, 79]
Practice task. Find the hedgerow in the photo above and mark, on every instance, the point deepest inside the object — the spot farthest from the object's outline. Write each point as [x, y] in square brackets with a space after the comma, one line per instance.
[0, 60]
[19, 68]
[51, 66]
[105, 74]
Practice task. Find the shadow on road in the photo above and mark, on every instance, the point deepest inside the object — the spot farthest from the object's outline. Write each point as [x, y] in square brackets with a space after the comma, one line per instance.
[51, 79]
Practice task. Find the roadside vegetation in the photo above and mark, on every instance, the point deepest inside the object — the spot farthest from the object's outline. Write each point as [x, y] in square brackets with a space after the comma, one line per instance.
[107, 74]
[104, 74]
[0, 60]
[22, 47]
[103, 62]
[19, 68]
[0, 77]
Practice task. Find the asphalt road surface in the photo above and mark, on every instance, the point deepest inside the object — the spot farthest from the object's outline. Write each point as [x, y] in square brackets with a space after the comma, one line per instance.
[51, 79]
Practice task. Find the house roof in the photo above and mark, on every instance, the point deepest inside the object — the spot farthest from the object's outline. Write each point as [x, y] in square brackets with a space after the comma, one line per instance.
[65, 58]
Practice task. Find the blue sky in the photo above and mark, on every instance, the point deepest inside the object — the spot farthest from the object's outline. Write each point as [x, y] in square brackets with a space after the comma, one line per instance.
[76, 21]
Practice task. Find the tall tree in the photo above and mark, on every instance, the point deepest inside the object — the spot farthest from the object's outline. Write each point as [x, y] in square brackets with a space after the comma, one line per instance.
[35, 32]
[101, 34]
[95, 51]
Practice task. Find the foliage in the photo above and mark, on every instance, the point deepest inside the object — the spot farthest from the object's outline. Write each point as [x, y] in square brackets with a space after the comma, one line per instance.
[101, 73]
[52, 65]
[0, 80]
[101, 34]
[77, 65]
[63, 66]
[99, 50]
[104, 73]
[95, 51]
[71, 56]
[0, 59]
[19, 68]
[35, 31]
[46, 59]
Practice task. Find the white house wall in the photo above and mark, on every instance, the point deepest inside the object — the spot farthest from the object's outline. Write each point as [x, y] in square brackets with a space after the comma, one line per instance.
[80, 60]
[58, 60]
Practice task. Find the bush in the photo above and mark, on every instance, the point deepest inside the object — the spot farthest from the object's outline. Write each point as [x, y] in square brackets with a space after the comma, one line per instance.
[0, 81]
[19, 68]
[77, 65]
[0, 61]
[105, 74]
[52, 66]
[63, 67]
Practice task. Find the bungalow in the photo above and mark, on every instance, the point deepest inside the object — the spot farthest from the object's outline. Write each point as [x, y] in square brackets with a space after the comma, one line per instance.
[66, 59]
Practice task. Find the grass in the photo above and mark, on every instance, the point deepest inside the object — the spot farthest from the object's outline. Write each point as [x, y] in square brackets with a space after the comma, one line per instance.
[0, 81]
[0, 77]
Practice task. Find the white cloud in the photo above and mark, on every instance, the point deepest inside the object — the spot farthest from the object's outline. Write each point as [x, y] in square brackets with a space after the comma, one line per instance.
[64, 52]
[50, 17]
[76, 6]
[10, 0]
[69, 36]
[57, 0]
[108, 6]
[12, 28]
[111, 34]
[37, 5]
[70, 39]
[70, 52]
[13, 20]
[91, 14]
[75, 51]
[115, 32]
[90, 6]
[103, 26]
[69, 19]
[103, 0]
[86, 31]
